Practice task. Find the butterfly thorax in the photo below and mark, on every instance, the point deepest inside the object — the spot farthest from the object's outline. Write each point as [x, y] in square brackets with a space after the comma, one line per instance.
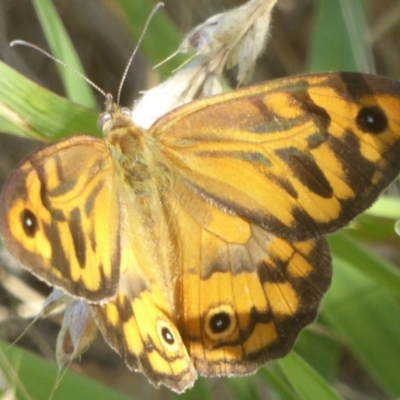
[129, 146]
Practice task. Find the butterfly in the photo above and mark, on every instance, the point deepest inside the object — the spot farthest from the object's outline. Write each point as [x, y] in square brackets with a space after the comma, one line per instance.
[199, 243]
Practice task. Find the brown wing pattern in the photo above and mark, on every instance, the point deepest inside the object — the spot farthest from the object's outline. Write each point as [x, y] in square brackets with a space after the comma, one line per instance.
[54, 212]
[299, 156]
[140, 326]
[242, 294]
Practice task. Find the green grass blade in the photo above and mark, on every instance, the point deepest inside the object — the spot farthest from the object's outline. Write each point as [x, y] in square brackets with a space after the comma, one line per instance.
[277, 383]
[355, 19]
[386, 207]
[244, 388]
[320, 352]
[306, 381]
[29, 110]
[338, 44]
[62, 48]
[365, 315]
[379, 222]
[372, 267]
[199, 391]
[34, 378]
[160, 40]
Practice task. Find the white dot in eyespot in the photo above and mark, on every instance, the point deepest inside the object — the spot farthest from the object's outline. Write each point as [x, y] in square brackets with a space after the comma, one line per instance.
[167, 336]
[28, 222]
[220, 322]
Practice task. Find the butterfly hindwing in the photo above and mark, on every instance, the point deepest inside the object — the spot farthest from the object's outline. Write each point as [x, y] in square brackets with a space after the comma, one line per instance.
[242, 294]
[140, 323]
[300, 156]
[54, 211]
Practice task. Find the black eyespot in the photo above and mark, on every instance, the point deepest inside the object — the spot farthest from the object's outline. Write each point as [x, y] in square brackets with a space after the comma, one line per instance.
[220, 322]
[167, 335]
[29, 222]
[372, 119]
[103, 119]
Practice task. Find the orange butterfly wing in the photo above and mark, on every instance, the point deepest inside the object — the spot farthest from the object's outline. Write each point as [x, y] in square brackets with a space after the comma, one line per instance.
[45, 223]
[299, 156]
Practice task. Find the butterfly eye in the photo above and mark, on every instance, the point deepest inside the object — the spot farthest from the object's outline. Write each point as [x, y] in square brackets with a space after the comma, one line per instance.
[29, 222]
[103, 119]
[372, 120]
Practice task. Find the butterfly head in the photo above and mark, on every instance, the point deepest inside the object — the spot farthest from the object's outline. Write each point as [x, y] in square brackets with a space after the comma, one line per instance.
[114, 117]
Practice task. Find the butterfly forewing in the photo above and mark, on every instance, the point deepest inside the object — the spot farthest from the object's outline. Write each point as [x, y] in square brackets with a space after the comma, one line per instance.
[54, 211]
[299, 156]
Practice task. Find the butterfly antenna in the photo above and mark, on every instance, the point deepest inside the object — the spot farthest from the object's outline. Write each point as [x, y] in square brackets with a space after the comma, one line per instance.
[44, 52]
[155, 9]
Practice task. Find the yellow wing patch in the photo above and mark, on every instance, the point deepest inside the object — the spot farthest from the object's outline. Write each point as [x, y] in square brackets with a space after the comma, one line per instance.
[299, 156]
[139, 325]
[246, 294]
[54, 217]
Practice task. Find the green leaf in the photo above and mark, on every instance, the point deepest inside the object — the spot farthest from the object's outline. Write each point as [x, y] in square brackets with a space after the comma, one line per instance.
[29, 110]
[277, 382]
[306, 381]
[199, 391]
[320, 351]
[365, 315]
[339, 37]
[40, 377]
[77, 89]
[244, 387]
[371, 266]
[161, 39]
[386, 207]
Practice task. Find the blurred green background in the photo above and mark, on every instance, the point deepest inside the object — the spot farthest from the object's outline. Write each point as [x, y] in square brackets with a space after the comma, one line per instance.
[353, 350]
